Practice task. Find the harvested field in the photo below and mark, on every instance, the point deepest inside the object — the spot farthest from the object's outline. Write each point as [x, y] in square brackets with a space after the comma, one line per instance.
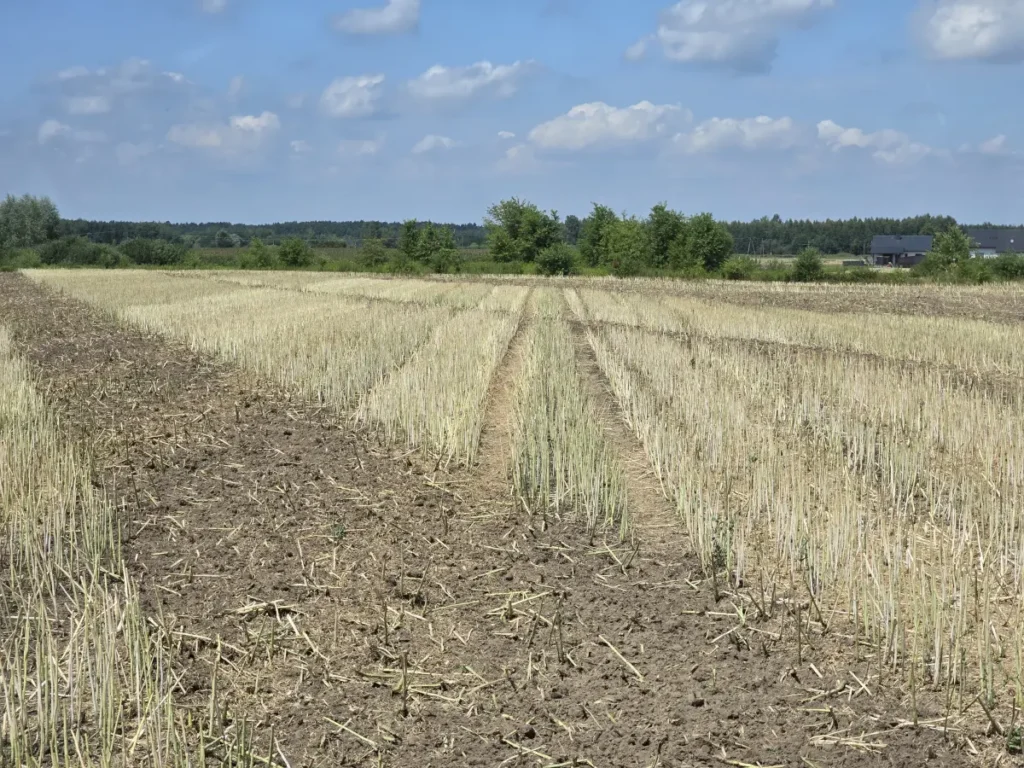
[315, 520]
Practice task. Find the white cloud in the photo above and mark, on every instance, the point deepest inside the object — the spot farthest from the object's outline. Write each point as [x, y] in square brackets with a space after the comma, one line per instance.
[972, 29]
[394, 17]
[51, 129]
[301, 146]
[889, 146]
[506, 135]
[994, 146]
[638, 50]
[72, 72]
[128, 153]
[598, 123]
[267, 122]
[751, 133]
[352, 96]
[242, 133]
[360, 147]
[433, 142]
[739, 34]
[520, 158]
[213, 6]
[235, 87]
[459, 83]
[177, 77]
[88, 105]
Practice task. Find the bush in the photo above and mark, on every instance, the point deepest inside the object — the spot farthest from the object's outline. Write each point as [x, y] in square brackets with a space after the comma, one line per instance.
[808, 267]
[153, 252]
[18, 258]
[1008, 266]
[295, 253]
[77, 251]
[739, 268]
[373, 253]
[559, 259]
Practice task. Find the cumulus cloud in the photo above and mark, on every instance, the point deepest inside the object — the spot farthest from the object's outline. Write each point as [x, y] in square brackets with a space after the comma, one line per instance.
[888, 145]
[752, 133]
[242, 133]
[352, 96]
[972, 29]
[51, 129]
[742, 35]
[461, 83]
[301, 146]
[88, 105]
[360, 147]
[506, 135]
[519, 158]
[394, 17]
[599, 124]
[432, 143]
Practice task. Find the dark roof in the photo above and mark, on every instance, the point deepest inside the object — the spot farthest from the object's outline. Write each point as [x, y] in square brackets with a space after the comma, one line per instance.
[889, 245]
[1000, 240]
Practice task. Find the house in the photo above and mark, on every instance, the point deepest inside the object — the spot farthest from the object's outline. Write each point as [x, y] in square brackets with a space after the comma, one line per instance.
[899, 250]
[989, 241]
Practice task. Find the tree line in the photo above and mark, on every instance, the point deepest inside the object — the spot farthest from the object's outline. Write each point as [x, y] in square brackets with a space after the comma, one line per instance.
[767, 236]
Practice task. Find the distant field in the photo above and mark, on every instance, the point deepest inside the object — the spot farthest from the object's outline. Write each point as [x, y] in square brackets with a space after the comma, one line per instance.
[390, 521]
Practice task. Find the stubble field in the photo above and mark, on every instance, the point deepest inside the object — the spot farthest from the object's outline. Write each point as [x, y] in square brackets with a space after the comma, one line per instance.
[302, 519]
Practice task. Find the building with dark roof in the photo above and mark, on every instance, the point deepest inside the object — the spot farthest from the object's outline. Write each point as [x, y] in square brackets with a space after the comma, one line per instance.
[989, 241]
[899, 250]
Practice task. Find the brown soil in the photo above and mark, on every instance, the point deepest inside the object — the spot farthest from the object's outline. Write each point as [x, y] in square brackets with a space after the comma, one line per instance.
[376, 613]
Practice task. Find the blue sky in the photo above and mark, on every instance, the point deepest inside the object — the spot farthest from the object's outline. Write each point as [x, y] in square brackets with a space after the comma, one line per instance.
[259, 110]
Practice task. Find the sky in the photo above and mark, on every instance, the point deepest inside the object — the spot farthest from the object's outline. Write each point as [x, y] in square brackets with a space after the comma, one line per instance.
[258, 110]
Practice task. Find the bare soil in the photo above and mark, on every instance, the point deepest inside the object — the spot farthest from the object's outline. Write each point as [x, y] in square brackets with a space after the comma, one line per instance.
[375, 612]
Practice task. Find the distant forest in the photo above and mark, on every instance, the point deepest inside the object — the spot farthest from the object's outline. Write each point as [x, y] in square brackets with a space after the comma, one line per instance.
[764, 236]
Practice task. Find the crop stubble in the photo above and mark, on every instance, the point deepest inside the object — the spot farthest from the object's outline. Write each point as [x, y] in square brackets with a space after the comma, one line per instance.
[369, 607]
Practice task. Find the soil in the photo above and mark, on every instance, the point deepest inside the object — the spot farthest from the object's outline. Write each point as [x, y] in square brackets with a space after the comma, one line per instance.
[374, 611]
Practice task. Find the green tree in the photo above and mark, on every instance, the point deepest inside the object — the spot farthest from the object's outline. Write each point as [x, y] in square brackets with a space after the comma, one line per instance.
[572, 229]
[446, 257]
[26, 221]
[295, 253]
[155, 252]
[223, 239]
[409, 239]
[951, 246]
[260, 255]
[519, 231]
[808, 267]
[668, 235]
[558, 259]
[710, 243]
[429, 244]
[593, 235]
[629, 245]
[374, 253]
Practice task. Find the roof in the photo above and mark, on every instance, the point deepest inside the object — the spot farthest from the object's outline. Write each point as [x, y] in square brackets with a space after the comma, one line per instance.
[896, 244]
[999, 240]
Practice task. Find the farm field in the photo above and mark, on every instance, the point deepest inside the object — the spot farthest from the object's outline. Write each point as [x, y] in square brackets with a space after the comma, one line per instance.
[309, 519]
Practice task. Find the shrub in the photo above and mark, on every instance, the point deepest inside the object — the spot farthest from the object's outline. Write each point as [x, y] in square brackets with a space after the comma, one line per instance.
[1008, 266]
[295, 253]
[808, 267]
[739, 268]
[153, 252]
[374, 253]
[77, 251]
[559, 259]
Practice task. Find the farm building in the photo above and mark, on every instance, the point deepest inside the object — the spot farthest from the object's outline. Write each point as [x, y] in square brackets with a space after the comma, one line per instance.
[899, 250]
[989, 242]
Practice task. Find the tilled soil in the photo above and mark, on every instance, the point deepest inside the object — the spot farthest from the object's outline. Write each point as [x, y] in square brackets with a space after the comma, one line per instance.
[373, 611]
